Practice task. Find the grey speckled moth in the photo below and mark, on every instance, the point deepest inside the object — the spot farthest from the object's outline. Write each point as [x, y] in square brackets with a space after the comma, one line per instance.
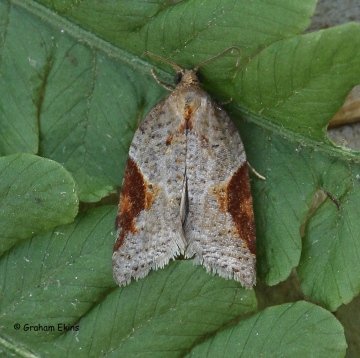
[186, 189]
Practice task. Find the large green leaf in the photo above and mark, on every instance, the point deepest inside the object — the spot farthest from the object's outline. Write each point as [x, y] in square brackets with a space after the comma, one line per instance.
[56, 277]
[74, 87]
[298, 329]
[35, 194]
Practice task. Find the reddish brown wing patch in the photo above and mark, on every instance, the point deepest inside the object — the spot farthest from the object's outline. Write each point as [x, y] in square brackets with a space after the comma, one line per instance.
[134, 198]
[235, 198]
[239, 204]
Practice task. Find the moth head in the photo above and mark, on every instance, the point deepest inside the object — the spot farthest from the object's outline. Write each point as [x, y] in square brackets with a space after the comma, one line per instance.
[186, 77]
[190, 77]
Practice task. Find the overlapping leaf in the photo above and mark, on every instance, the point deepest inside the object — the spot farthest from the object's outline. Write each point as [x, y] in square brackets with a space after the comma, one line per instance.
[35, 194]
[56, 277]
[290, 330]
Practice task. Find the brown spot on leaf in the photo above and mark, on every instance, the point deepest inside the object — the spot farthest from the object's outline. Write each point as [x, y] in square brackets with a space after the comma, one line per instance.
[239, 205]
[134, 198]
[333, 199]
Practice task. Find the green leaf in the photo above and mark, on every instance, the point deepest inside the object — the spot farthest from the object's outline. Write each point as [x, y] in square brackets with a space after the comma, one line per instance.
[82, 107]
[193, 26]
[329, 267]
[66, 279]
[56, 277]
[298, 329]
[74, 87]
[299, 83]
[35, 194]
[161, 315]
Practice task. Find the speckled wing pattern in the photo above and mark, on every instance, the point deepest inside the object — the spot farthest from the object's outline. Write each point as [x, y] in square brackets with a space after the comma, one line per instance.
[220, 227]
[186, 191]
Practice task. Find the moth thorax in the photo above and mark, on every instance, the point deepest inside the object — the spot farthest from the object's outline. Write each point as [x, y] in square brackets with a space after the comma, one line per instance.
[188, 103]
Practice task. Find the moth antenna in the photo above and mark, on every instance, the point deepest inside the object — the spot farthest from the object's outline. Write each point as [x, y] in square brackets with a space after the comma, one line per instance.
[161, 83]
[247, 61]
[224, 103]
[172, 64]
[219, 55]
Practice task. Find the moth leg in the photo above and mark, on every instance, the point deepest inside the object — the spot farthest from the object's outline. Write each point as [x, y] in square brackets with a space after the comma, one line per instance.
[255, 172]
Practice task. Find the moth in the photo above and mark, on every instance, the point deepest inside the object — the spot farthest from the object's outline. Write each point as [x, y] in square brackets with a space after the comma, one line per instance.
[186, 189]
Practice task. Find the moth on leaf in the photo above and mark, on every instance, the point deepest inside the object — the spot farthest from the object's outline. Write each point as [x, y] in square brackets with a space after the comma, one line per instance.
[186, 189]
